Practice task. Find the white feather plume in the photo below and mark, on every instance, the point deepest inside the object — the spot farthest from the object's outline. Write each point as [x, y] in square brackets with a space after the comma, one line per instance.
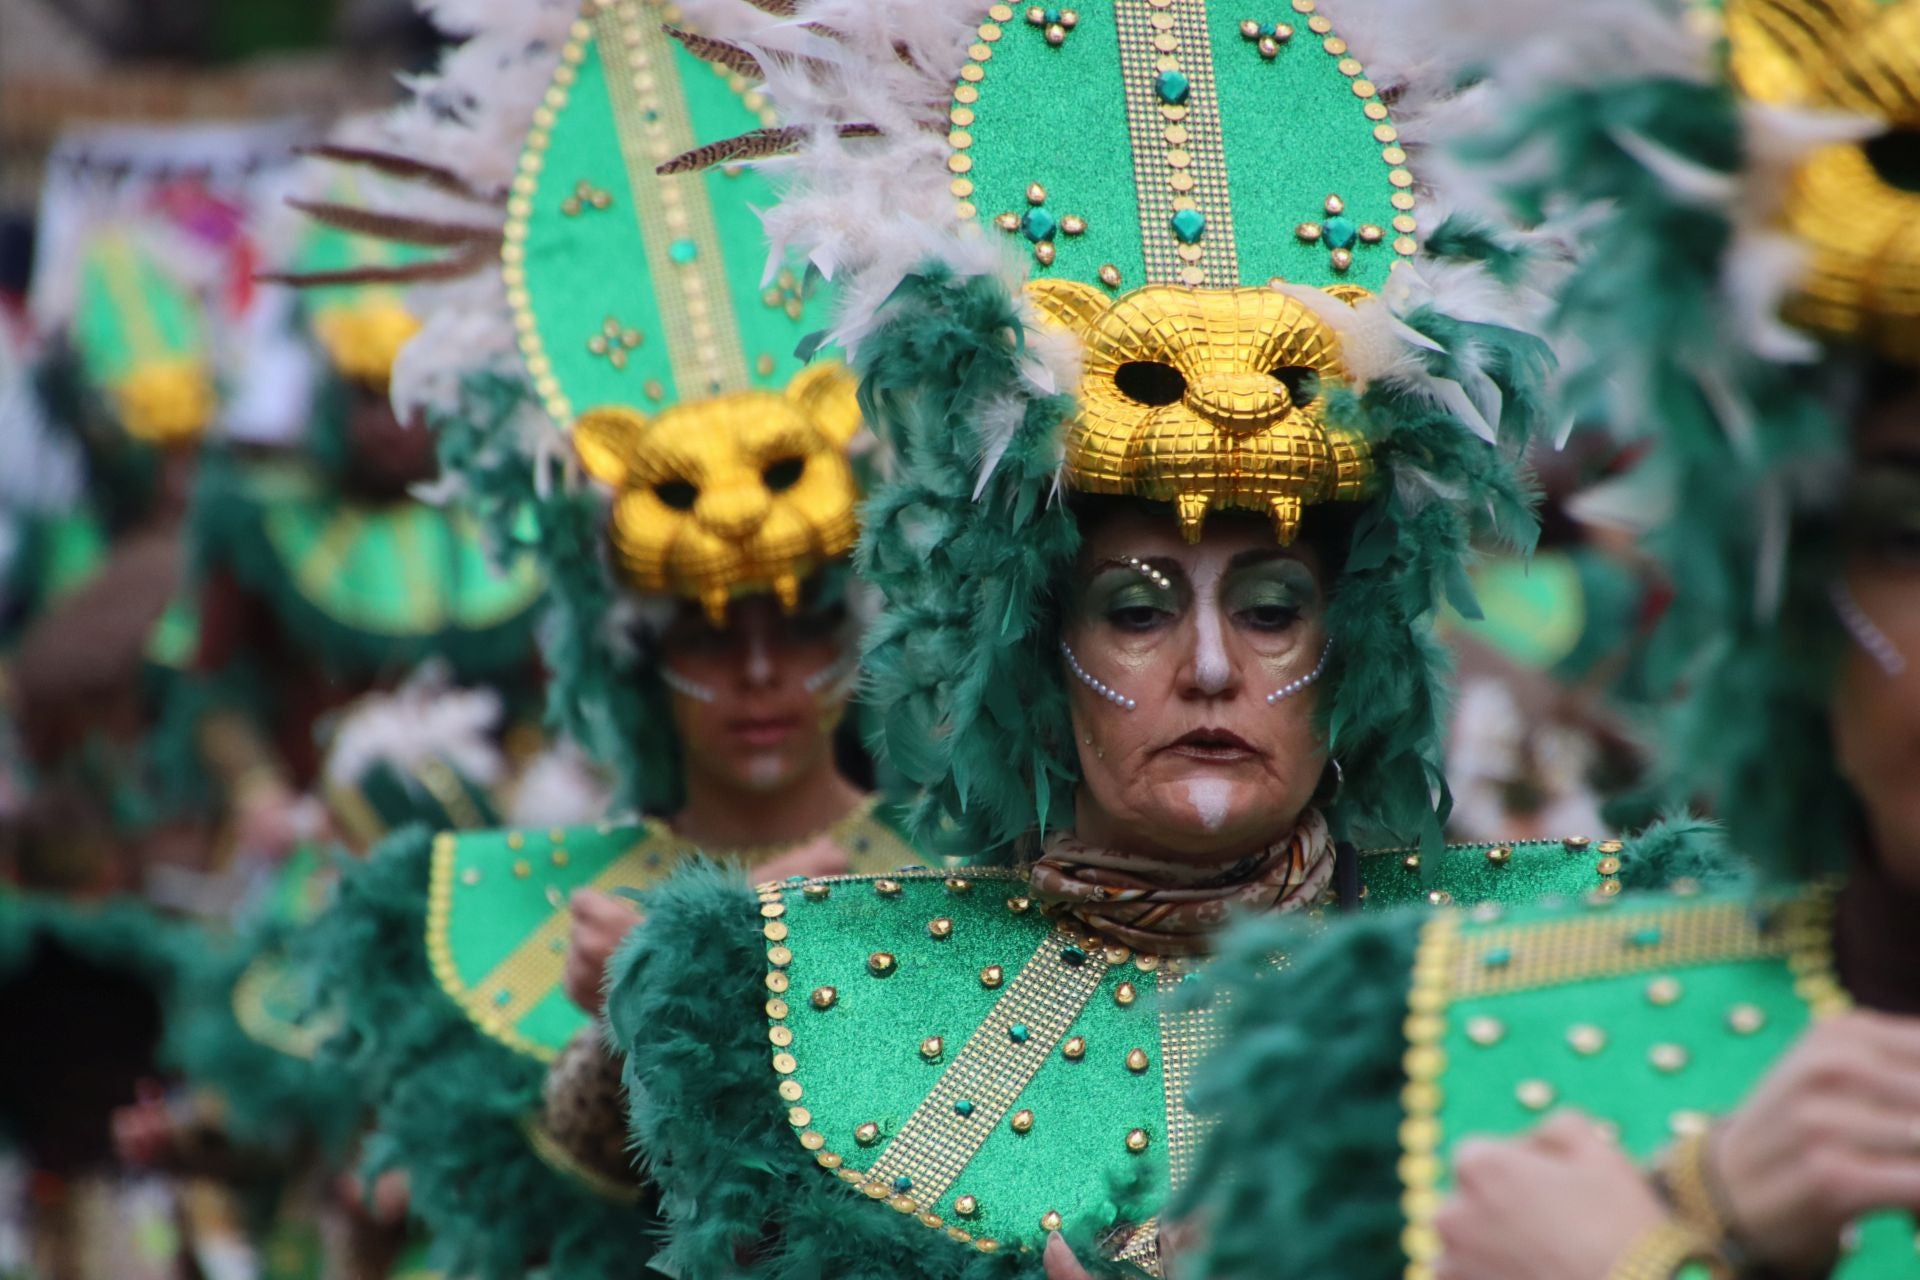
[427, 718]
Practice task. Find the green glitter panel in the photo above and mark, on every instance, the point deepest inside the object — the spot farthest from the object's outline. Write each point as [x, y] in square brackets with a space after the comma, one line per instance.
[1264, 140]
[498, 920]
[615, 260]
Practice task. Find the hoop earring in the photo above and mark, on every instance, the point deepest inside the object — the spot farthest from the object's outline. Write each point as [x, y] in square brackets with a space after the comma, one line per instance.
[1339, 784]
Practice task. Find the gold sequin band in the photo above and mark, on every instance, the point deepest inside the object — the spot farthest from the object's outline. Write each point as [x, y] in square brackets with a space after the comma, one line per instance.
[650, 113]
[1179, 163]
[999, 1059]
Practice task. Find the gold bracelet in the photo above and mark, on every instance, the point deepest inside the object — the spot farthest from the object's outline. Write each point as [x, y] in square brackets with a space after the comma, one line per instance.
[1664, 1250]
[1690, 1187]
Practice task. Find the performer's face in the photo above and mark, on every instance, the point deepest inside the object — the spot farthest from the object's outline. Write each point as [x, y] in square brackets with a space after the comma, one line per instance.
[1876, 713]
[1198, 637]
[757, 700]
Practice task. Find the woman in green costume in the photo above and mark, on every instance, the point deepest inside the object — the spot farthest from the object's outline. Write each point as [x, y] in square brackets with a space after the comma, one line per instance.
[1740, 1072]
[1177, 483]
[703, 616]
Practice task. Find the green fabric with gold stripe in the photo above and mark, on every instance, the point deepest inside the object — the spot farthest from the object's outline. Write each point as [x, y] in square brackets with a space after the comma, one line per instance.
[1652, 1014]
[962, 1058]
[497, 918]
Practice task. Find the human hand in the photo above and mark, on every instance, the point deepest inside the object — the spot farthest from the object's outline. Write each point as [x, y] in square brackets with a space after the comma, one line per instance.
[1562, 1201]
[600, 921]
[1831, 1133]
[144, 1134]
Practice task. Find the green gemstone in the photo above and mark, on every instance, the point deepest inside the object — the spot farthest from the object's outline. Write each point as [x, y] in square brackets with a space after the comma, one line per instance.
[1339, 231]
[1646, 937]
[1173, 87]
[683, 251]
[903, 1184]
[962, 1107]
[1038, 225]
[1189, 225]
[1052, 16]
[1017, 1033]
[1498, 958]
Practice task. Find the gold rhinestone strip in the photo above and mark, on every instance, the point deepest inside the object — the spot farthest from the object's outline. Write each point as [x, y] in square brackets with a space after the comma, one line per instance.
[934, 1146]
[1425, 1063]
[1601, 944]
[1186, 1038]
[1178, 159]
[528, 973]
[650, 114]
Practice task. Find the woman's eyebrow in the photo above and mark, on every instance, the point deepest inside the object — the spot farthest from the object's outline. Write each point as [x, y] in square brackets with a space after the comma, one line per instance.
[1262, 555]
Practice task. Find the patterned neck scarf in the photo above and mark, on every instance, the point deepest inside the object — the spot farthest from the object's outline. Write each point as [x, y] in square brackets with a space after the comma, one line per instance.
[1125, 896]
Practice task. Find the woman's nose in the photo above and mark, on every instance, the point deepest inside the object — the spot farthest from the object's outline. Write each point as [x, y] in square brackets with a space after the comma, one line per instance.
[1210, 667]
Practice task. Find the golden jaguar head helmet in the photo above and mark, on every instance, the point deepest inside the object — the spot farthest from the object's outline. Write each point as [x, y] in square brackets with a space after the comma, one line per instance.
[1205, 399]
[1851, 203]
[742, 492]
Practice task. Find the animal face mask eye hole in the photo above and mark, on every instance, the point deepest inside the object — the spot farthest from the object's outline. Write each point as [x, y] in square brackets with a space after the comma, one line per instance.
[1150, 382]
[677, 494]
[783, 473]
[1895, 156]
[1303, 385]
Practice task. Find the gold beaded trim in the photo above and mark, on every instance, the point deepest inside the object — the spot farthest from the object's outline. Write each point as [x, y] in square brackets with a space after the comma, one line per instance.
[1800, 931]
[773, 897]
[695, 302]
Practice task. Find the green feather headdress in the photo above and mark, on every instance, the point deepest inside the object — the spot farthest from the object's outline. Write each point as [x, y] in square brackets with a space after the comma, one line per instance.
[1724, 168]
[571, 299]
[972, 178]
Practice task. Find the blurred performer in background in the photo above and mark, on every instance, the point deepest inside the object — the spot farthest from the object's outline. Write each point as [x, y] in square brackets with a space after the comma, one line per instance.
[1738, 1070]
[703, 625]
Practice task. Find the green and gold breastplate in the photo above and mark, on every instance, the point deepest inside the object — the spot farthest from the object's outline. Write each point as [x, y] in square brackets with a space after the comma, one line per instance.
[497, 919]
[961, 1057]
[1653, 1015]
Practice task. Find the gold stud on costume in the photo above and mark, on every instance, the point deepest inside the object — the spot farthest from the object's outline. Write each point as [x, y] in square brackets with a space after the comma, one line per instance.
[866, 1134]
[1074, 1049]
[823, 997]
[992, 976]
[1136, 1060]
[1022, 1121]
[880, 963]
[1137, 1141]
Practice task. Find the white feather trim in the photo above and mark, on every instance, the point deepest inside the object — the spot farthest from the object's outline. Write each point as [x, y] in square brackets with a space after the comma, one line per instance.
[560, 787]
[427, 718]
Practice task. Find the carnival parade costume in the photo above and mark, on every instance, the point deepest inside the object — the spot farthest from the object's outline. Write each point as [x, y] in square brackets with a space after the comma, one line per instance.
[631, 327]
[1072, 267]
[1750, 255]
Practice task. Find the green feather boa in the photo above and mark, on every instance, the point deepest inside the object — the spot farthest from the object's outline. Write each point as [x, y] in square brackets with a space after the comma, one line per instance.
[1305, 1181]
[740, 1196]
[962, 665]
[601, 692]
[1741, 443]
[273, 1101]
[448, 1101]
